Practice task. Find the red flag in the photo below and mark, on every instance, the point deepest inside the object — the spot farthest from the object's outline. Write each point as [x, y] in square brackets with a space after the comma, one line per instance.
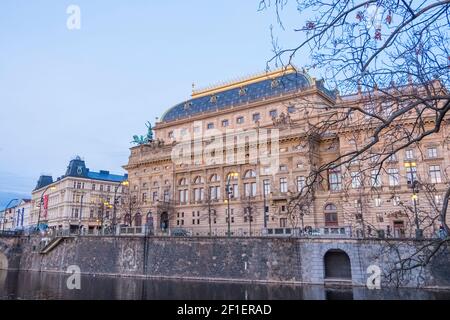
[45, 205]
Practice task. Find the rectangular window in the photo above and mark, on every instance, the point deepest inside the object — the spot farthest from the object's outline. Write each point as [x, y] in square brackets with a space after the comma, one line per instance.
[409, 154]
[396, 200]
[300, 183]
[356, 179]
[375, 178]
[235, 191]
[435, 174]
[266, 184]
[144, 197]
[273, 113]
[411, 174]
[101, 187]
[283, 185]
[377, 202]
[210, 126]
[108, 188]
[240, 120]
[250, 189]
[432, 152]
[283, 222]
[392, 158]
[225, 123]
[394, 179]
[291, 109]
[155, 196]
[335, 180]
[93, 186]
[256, 117]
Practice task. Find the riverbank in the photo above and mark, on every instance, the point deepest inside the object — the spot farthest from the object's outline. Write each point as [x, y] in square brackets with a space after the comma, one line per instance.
[52, 285]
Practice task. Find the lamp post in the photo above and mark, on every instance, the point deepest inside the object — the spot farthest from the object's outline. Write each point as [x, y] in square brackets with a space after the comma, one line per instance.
[4, 214]
[81, 214]
[40, 204]
[230, 175]
[125, 184]
[265, 189]
[414, 187]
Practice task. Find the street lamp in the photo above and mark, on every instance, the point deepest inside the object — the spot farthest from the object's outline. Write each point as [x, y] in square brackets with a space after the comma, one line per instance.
[414, 185]
[266, 208]
[4, 214]
[81, 214]
[125, 184]
[230, 175]
[40, 204]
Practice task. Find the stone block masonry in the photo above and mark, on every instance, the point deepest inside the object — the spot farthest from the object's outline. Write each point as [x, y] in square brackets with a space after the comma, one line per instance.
[283, 260]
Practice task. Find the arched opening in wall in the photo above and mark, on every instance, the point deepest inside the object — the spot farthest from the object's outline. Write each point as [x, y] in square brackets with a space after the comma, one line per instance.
[337, 265]
[3, 262]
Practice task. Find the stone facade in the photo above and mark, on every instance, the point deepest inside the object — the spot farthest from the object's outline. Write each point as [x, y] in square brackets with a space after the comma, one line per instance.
[182, 194]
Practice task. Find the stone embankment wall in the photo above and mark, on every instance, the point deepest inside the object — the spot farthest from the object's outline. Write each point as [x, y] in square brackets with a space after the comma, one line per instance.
[221, 259]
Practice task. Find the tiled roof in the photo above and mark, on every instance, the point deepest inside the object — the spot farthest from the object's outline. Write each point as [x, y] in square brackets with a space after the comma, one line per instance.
[234, 96]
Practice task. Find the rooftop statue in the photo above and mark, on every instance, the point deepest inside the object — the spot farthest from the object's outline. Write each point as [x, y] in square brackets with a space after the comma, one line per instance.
[139, 140]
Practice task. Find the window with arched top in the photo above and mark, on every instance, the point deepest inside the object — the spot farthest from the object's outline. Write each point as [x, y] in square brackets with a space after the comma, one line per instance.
[214, 178]
[331, 217]
[198, 180]
[182, 182]
[250, 174]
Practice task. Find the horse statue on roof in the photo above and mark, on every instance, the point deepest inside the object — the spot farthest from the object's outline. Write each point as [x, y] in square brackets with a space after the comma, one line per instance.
[139, 139]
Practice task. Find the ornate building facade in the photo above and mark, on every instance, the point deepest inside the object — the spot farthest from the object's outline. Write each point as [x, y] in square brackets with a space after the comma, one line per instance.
[80, 199]
[234, 156]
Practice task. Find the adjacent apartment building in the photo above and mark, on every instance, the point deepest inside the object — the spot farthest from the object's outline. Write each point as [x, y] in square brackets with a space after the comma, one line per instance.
[80, 199]
[233, 156]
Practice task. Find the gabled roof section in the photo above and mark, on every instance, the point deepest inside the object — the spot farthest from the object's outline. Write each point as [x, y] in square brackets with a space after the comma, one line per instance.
[263, 86]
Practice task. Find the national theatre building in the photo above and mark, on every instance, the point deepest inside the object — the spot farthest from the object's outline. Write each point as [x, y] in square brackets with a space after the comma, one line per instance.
[232, 158]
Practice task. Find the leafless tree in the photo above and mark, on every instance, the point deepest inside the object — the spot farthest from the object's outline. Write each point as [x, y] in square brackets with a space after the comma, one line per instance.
[129, 209]
[389, 62]
[209, 214]
[249, 211]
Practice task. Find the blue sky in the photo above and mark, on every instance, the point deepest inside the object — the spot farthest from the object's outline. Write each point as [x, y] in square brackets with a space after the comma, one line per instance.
[86, 92]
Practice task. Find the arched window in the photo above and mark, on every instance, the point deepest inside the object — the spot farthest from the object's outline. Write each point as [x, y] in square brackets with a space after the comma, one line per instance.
[331, 217]
[182, 182]
[198, 180]
[214, 178]
[250, 174]
[138, 220]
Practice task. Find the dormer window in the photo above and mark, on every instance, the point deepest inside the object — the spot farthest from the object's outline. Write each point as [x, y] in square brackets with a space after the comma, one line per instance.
[275, 83]
[213, 99]
[187, 105]
[243, 91]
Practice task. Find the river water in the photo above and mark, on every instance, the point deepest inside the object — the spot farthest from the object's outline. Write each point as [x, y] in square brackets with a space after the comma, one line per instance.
[34, 285]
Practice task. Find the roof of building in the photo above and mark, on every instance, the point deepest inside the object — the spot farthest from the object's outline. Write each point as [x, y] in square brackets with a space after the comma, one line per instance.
[77, 168]
[263, 86]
